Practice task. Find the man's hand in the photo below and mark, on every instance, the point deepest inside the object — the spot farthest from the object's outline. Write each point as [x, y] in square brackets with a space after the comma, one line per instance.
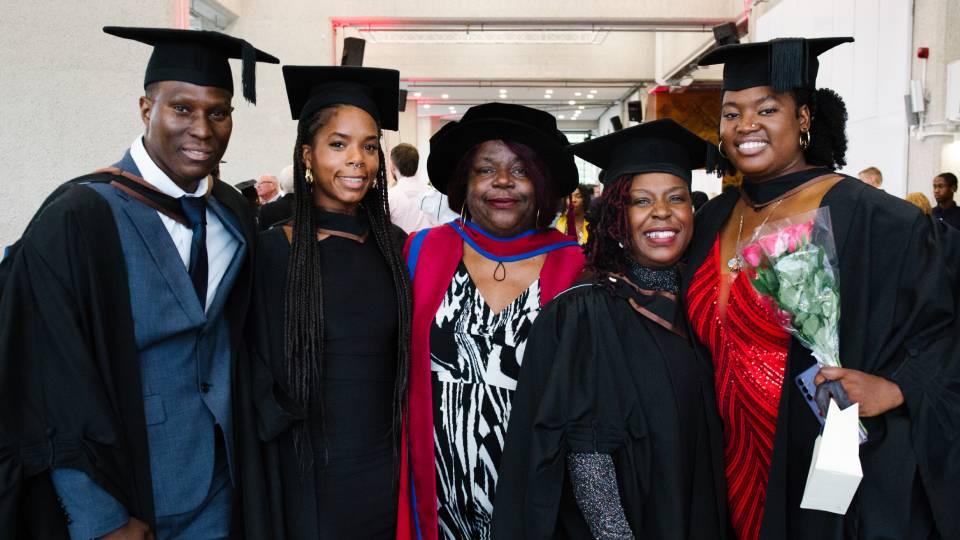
[133, 530]
[875, 395]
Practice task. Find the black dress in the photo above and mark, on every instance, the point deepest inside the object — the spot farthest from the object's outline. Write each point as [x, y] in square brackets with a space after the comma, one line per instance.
[350, 490]
[610, 373]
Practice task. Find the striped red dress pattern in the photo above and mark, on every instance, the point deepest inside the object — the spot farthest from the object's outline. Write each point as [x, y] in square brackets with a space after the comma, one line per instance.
[749, 349]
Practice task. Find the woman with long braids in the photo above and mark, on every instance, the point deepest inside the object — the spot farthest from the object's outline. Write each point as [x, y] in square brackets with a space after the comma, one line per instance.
[787, 138]
[478, 284]
[614, 432]
[332, 311]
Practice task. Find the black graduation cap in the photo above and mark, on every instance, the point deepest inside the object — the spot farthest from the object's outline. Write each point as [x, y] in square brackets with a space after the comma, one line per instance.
[658, 146]
[196, 56]
[505, 121]
[375, 90]
[783, 63]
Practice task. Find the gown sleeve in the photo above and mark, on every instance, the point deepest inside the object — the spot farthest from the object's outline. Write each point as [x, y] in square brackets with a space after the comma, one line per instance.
[54, 370]
[929, 375]
[276, 410]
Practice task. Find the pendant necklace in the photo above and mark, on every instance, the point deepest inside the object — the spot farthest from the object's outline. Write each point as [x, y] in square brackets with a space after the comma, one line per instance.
[500, 272]
[735, 264]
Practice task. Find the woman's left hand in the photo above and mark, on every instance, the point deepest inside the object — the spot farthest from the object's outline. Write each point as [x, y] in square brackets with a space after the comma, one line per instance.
[875, 395]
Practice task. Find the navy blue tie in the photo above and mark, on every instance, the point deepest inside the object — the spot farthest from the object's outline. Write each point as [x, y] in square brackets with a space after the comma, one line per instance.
[195, 210]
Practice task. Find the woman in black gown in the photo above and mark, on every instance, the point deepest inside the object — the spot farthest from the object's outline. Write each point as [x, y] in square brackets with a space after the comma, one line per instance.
[788, 137]
[332, 311]
[614, 432]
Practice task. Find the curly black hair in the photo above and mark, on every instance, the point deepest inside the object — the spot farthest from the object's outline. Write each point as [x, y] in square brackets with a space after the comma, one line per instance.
[828, 129]
[607, 229]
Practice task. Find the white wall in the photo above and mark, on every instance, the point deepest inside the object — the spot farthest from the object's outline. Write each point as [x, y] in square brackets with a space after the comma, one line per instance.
[935, 26]
[68, 98]
[871, 75]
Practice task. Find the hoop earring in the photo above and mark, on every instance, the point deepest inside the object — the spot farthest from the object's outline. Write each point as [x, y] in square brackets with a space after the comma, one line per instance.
[536, 224]
[463, 213]
[720, 149]
[805, 141]
[308, 175]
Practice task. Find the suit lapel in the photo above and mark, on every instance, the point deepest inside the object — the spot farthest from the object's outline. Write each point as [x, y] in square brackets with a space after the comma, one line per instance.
[230, 223]
[127, 163]
[165, 256]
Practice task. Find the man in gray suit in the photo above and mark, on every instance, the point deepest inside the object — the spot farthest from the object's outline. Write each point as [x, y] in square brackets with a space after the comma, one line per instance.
[122, 308]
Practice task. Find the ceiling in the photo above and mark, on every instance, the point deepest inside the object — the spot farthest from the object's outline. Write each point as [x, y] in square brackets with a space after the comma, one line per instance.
[568, 100]
[583, 67]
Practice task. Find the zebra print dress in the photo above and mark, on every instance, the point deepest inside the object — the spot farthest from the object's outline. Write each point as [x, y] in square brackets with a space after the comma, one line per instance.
[475, 362]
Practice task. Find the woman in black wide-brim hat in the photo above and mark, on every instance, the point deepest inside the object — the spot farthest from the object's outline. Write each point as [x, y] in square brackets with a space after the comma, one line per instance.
[787, 138]
[478, 284]
[614, 432]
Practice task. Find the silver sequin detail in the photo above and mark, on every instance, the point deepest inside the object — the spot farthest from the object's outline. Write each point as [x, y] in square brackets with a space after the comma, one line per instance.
[654, 279]
[594, 481]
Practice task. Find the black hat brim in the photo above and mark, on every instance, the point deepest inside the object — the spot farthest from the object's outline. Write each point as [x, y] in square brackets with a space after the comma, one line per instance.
[451, 144]
[657, 146]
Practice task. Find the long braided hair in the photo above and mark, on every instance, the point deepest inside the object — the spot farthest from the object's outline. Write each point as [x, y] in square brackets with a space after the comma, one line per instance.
[303, 307]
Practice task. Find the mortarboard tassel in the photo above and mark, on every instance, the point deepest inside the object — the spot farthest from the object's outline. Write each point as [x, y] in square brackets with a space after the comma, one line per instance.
[788, 64]
[714, 161]
[248, 74]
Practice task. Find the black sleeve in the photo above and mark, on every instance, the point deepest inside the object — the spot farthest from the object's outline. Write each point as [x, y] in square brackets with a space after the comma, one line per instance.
[65, 390]
[276, 410]
[929, 375]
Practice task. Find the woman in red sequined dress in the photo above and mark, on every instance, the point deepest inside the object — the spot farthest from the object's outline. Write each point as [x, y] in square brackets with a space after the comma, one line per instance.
[787, 138]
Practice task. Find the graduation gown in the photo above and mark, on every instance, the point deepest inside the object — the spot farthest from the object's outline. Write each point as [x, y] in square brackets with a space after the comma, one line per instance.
[896, 310]
[70, 390]
[350, 490]
[609, 369]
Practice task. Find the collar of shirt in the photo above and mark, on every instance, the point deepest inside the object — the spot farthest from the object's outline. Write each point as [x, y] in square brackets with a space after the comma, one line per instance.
[150, 172]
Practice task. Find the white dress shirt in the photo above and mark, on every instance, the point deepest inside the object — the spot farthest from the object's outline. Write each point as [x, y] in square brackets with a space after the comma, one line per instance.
[405, 205]
[436, 205]
[221, 244]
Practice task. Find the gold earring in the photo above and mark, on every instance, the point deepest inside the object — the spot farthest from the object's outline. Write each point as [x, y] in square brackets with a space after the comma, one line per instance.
[309, 176]
[463, 213]
[720, 149]
[805, 141]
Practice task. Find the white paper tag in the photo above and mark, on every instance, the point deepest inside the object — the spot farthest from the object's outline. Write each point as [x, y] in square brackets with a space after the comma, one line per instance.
[835, 471]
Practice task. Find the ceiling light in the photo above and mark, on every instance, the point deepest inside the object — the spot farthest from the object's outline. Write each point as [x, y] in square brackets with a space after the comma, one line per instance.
[578, 94]
[426, 105]
[445, 96]
[417, 94]
[590, 96]
[593, 91]
[461, 33]
[549, 90]
[581, 107]
[547, 96]
[571, 102]
[562, 117]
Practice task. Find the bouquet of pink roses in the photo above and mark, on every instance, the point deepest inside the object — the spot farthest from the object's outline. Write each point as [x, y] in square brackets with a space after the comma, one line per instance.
[791, 264]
